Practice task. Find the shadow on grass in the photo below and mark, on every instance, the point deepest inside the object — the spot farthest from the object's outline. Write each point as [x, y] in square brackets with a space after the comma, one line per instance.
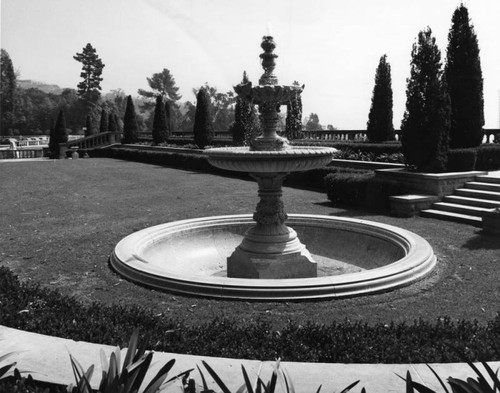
[482, 241]
[345, 211]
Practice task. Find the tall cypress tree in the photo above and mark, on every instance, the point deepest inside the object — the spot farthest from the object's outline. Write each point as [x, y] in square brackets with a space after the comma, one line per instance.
[88, 126]
[426, 121]
[112, 126]
[58, 135]
[379, 126]
[203, 128]
[465, 82]
[293, 121]
[104, 121]
[246, 126]
[130, 126]
[159, 122]
[8, 86]
[168, 117]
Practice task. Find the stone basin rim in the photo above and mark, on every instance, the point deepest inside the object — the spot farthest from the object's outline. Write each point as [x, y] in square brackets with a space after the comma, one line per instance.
[416, 264]
[290, 152]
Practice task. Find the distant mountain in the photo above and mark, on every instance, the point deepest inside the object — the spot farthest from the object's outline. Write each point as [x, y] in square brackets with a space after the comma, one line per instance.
[46, 88]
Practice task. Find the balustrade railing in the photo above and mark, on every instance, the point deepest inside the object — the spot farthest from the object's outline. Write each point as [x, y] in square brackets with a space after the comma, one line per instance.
[96, 140]
[20, 153]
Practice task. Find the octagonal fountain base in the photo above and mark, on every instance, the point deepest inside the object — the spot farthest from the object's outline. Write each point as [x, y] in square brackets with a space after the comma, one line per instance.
[354, 257]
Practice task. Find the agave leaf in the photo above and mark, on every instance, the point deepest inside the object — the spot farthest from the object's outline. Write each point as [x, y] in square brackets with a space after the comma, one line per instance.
[409, 384]
[5, 369]
[82, 379]
[216, 378]
[141, 370]
[132, 346]
[104, 363]
[460, 386]
[242, 389]
[7, 355]
[438, 378]
[160, 376]
[272, 382]
[203, 381]
[350, 387]
[493, 376]
[288, 381]
[319, 388]
[261, 385]
[476, 386]
[183, 374]
[482, 381]
[247, 380]
[112, 372]
[421, 388]
[363, 390]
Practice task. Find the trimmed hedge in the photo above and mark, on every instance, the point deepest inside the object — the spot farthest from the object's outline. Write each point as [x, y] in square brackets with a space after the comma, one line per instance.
[359, 147]
[361, 190]
[461, 160]
[488, 158]
[46, 311]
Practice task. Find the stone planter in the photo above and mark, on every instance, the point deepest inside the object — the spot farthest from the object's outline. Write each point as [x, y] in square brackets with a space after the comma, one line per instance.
[491, 221]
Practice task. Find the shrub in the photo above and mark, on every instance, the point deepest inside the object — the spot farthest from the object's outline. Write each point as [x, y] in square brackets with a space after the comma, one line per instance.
[361, 190]
[49, 312]
[58, 135]
[360, 147]
[488, 158]
[461, 160]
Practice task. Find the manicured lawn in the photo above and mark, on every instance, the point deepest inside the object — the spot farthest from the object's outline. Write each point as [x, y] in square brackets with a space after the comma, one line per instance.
[61, 219]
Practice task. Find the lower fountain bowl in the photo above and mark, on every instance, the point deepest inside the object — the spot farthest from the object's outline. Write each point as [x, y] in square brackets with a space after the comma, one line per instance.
[355, 257]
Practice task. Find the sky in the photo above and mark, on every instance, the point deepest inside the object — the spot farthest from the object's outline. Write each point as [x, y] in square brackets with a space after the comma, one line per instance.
[333, 47]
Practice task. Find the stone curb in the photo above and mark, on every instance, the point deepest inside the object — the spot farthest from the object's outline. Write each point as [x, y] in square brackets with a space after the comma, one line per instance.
[47, 359]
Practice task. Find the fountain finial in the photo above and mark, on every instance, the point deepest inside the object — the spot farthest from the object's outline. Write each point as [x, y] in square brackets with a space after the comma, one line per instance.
[268, 63]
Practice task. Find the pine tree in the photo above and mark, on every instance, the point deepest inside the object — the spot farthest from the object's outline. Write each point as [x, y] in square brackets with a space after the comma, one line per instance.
[203, 129]
[88, 126]
[112, 126]
[130, 126]
[92, 65]
[465, 82]
[293, 122]
[380, 127]
[159, 122]
[104, 121]
[426, 121]
[58, 135]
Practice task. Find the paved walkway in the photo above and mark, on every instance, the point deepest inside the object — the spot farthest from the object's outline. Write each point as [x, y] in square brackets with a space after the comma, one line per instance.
[47, 359]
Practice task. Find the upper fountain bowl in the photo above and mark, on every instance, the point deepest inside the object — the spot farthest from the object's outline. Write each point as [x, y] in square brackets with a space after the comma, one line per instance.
[260, 94]
[292, 159]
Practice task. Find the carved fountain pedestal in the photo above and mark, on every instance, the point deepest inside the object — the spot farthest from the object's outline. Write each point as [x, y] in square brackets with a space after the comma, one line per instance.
[270, 249]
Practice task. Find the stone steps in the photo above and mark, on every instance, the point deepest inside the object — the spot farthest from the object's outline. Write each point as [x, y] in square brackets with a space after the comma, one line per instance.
[467, 204]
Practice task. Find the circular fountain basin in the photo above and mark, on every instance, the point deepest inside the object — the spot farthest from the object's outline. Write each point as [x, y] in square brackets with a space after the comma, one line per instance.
[292, 159]
[354, 257]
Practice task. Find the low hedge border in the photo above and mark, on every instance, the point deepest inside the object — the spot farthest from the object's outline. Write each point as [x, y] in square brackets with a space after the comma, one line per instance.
[30, 307]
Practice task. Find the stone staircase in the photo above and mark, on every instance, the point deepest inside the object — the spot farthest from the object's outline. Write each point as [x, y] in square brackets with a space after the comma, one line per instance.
[468, 203]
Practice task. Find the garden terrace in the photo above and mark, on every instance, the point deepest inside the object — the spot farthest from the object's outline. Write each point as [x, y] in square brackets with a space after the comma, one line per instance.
[63, 218]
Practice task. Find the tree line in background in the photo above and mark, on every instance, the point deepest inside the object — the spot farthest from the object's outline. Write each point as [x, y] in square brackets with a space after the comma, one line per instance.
[444, 108]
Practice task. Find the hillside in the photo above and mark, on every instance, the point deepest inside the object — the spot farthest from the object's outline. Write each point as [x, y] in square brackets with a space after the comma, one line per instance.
[46, 88]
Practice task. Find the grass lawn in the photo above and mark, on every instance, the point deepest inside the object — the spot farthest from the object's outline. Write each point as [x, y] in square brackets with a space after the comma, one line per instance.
[61, 219]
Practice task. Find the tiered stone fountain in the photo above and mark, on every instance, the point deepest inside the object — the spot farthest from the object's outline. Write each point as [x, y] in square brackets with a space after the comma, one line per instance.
[270, 249]
[259, 256]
